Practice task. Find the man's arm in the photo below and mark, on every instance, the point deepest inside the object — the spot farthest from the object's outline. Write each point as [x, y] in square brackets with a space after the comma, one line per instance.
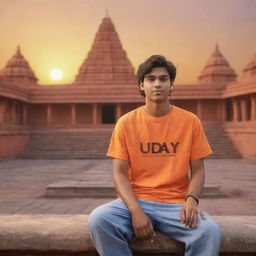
[142, 225]
[190, 210]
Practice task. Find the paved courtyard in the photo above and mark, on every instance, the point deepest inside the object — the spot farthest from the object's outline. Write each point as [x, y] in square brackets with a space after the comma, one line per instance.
[23, 186]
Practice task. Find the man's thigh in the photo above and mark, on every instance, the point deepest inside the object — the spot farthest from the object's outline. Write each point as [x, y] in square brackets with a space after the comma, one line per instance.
[168, 221]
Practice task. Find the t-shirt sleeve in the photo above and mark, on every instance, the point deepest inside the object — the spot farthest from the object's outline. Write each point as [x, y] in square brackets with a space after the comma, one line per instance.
[118, 146]
[200, 146]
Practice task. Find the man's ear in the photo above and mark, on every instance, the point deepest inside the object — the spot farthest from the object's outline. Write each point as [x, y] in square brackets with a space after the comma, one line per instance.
[172, 85]
[142, 86]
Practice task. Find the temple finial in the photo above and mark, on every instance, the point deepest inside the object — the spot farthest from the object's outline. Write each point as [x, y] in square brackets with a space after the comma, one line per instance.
[18, 51]
[106, 13]
[217, 48]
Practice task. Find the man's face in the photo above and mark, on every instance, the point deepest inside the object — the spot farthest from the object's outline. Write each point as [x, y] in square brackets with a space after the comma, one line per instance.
[157, 85]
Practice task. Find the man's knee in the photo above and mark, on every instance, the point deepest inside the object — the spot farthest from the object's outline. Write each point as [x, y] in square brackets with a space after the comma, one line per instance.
[97, 219]
[212, 230]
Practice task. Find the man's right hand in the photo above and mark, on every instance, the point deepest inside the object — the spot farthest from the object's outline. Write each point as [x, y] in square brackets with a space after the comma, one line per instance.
[142, 225]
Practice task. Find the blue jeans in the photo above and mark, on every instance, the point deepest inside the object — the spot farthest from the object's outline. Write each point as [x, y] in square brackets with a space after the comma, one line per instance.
[110, 226]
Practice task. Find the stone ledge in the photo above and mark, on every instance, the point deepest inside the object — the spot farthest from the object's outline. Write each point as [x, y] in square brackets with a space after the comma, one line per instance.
[90, 187]
[68, 235]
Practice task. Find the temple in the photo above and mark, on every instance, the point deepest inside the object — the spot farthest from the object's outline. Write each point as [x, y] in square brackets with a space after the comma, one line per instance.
[76, 120]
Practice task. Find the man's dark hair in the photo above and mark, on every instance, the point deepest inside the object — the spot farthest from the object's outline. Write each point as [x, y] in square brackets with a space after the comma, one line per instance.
[155, 61]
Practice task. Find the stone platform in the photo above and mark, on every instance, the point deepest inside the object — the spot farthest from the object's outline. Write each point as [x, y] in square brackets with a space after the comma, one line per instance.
[23, 186]
[76, 189]
[104, 189]
[92, 183]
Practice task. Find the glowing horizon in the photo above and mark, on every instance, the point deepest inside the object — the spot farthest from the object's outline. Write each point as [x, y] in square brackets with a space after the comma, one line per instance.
[61, 35]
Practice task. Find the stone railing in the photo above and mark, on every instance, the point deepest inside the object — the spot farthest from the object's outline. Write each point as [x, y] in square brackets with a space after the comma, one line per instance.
[66, 235]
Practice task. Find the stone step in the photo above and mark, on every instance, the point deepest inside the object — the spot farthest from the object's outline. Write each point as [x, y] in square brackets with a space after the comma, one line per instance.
[102, 189]
[94, 143]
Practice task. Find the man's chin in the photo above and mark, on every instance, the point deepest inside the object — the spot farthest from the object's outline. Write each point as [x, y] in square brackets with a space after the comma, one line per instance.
[159, 100]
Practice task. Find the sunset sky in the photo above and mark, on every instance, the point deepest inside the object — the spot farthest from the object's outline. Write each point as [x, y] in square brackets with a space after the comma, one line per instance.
[59, 33]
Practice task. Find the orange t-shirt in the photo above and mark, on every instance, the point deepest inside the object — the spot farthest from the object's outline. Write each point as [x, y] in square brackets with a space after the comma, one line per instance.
[159, 150]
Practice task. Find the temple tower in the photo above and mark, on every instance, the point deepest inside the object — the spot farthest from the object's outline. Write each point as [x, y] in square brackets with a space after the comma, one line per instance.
[107, 62]
[250, 68]
[217, 70]
[18, 71]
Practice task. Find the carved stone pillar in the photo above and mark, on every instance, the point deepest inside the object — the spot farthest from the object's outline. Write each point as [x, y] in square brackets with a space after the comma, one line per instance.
[13, 113]
[95, 113]
[199, 109]
[73, 114]
[243, 110]
[24, 113]
[222, 115]
[235, 110]
[49, 114]
[118, 111]
[2, 111]
[253, 107]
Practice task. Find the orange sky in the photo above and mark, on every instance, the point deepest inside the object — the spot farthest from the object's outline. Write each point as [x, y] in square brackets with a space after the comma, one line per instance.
[59, 33]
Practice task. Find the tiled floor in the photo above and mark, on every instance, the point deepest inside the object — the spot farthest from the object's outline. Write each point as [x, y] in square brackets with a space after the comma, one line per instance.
[23, 185]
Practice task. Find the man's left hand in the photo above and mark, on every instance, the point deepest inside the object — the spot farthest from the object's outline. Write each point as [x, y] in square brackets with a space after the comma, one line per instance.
[189, 213]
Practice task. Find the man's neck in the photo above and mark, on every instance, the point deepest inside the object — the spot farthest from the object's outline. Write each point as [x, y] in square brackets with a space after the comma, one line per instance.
[157, 109]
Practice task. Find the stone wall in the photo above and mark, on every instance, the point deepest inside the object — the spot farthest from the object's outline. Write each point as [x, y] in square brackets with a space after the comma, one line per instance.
[12, 143]
[243, 138]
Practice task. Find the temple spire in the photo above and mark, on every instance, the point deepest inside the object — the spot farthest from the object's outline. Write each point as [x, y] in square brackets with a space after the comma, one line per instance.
[18, 70]
[107, 62]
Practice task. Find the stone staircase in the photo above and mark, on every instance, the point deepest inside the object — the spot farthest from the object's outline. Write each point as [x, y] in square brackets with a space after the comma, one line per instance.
[93, 143]
[61, 144]
[221, 145]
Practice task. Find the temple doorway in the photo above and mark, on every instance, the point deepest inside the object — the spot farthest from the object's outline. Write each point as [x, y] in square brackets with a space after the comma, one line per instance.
[108, 114]
[229, 110]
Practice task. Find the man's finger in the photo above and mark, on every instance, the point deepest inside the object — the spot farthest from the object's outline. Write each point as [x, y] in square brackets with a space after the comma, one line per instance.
[149, 230]
[137, 234]
[193, 221]
[144, 233]
[151, 227]
[182, 215]
[188, 213]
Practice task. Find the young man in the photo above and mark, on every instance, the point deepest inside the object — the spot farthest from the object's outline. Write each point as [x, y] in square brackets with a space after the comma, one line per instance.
[152, 148]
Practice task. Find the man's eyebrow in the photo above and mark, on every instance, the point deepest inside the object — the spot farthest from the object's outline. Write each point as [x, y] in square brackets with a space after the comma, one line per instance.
[149, 76]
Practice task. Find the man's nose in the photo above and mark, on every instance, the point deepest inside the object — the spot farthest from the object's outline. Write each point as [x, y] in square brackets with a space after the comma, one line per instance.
[157, 83]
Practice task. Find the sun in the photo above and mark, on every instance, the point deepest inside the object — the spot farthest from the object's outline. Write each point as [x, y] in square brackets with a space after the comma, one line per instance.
[56, 74]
